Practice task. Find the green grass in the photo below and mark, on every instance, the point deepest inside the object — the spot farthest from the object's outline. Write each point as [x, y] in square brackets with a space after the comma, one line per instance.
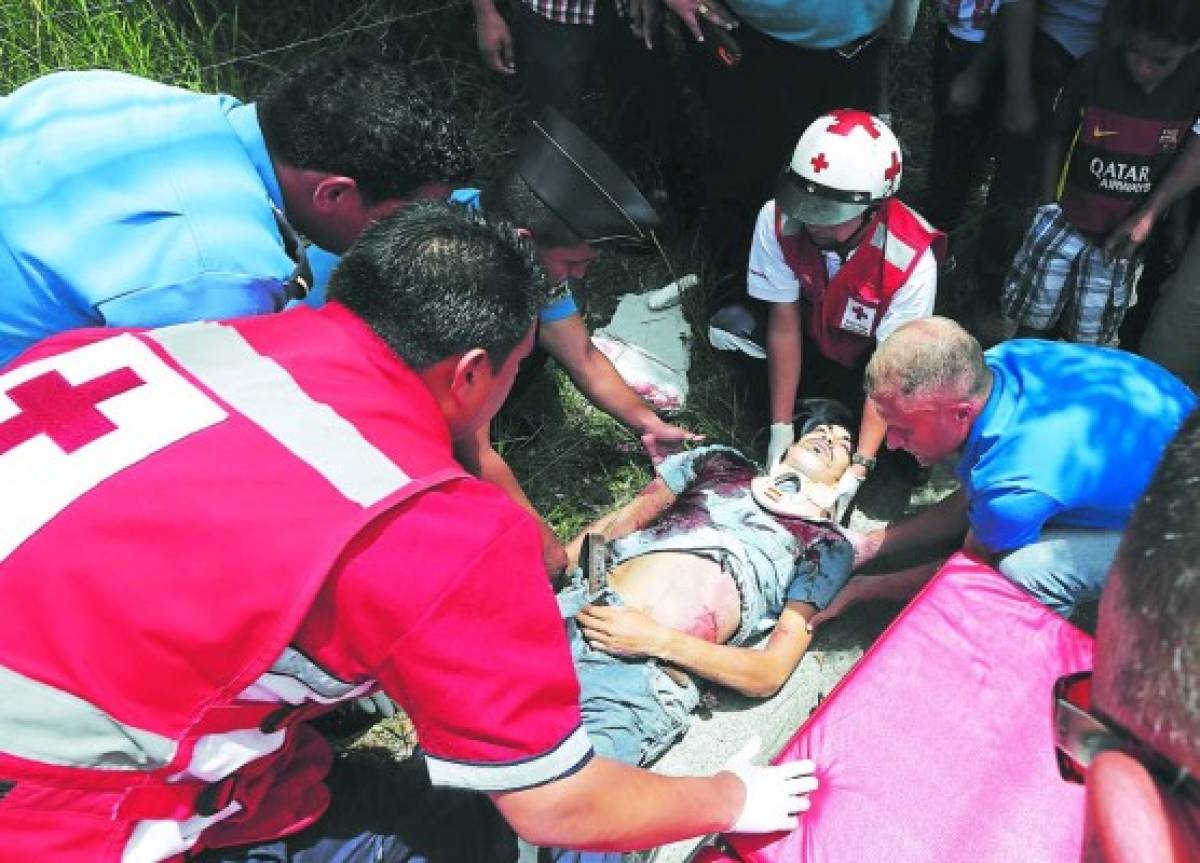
[574, 462]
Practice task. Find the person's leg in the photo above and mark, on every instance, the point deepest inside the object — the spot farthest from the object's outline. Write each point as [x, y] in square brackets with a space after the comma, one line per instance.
[553, 60]
[1040, 279]
[755, 112]
[1172, 338]
[1101, 296]
[1016, 184]
[959, 143]
[1064, 566]
[631, 709]
[388, 812]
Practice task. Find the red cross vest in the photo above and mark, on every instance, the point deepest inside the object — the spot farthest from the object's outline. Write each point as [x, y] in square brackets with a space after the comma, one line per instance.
[842, 314]
[173, 501]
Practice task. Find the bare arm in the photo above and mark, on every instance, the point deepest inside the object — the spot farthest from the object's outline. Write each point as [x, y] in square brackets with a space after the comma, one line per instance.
[568, 341]
[899, 586]
[493, 38]
[626, 631]
[1018, 23]
[480, 458]
[1183, 177]
[784, 356]
[966, 89]
[942, 523]
[631, 517]
[608, 806]
[871, 432]
[1052, 168]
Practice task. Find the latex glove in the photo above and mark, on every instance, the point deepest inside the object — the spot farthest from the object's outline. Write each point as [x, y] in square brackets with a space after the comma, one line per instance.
[377, 704]
[847, 488]
[783, 435]
[774, 795]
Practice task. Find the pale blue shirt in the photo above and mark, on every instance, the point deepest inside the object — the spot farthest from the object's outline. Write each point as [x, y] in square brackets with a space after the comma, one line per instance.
[815, 24]
[125, 202]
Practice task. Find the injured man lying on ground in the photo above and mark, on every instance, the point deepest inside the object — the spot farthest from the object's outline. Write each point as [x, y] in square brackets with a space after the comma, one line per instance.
[692, 570]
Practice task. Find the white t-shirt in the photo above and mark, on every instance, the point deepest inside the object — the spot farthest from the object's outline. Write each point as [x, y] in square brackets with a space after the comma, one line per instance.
[769, 277]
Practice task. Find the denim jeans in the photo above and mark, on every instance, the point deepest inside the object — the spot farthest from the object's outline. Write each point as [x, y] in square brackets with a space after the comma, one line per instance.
[1064, 567]
[631, 709]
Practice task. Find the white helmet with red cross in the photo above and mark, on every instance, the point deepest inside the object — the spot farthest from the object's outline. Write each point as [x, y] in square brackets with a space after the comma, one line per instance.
[844, 162]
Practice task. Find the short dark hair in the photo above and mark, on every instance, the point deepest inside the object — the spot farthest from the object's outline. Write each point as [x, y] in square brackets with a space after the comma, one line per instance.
[1150, 648]
[366, 118]
[512, 199]
[434, 280]
[813, 412]
[1175, 21]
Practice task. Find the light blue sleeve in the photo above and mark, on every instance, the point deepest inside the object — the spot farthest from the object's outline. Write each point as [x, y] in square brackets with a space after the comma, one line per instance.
[558, 308]
[211, 296]
[679, 470]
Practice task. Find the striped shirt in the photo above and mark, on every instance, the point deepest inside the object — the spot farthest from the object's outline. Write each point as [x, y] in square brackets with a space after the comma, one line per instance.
[571, 11]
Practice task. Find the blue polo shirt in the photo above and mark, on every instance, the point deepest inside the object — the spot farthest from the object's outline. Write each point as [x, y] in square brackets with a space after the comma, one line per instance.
[1069, 437]
[125, 202]
[814, 24]
[562, 306]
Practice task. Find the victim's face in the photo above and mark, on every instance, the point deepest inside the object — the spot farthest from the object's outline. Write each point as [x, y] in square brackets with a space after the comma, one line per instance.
[822, 455]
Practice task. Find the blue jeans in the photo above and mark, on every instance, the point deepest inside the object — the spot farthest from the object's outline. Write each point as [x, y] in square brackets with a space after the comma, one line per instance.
[632, 710]
[1064, 567]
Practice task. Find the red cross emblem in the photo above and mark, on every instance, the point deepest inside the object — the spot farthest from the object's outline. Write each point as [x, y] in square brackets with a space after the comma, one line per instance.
[65, 413]
[819, 163]
[859, 312]
[894, 169]
[847, 121]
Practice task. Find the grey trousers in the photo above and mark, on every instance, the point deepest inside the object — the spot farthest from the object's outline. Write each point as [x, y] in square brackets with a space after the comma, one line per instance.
[1172, 338]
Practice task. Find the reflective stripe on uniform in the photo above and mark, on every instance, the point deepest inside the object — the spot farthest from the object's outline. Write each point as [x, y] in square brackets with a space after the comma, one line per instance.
[895, 251]
[563, 759]
[262, 390]
[294, 678]
[41, 723]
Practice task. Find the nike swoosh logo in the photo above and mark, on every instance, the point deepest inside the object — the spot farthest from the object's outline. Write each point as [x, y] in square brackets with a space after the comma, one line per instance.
[1097, 132]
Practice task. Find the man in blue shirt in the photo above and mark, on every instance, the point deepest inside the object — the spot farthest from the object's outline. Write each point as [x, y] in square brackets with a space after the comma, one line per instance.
[1055, 443]
[126, 202]
[568, 196]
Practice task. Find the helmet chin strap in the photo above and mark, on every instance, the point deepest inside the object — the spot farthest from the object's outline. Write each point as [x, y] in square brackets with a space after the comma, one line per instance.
[844, 248]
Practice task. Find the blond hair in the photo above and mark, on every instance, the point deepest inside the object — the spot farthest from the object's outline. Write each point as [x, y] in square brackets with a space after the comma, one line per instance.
[926, 357]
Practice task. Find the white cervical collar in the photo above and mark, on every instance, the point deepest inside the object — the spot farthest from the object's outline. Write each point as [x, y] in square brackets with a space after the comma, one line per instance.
[788, 492]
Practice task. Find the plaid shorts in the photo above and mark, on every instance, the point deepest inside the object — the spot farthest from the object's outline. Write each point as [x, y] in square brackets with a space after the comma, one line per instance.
[1060, 277]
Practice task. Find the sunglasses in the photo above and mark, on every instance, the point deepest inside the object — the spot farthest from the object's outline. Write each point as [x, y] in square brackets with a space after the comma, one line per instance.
[1081, 733]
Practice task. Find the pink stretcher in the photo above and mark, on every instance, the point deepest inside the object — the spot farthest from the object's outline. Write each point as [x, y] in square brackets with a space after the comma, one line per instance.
[936, 747]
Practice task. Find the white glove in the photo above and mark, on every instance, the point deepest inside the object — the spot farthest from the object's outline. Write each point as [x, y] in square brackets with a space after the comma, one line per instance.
[774, 795]
[783, 435]
[847, 488]
[377, 703]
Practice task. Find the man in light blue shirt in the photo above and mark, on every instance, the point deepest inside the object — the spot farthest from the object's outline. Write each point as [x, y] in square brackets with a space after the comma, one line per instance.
[126, 202]
[1055, 443]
